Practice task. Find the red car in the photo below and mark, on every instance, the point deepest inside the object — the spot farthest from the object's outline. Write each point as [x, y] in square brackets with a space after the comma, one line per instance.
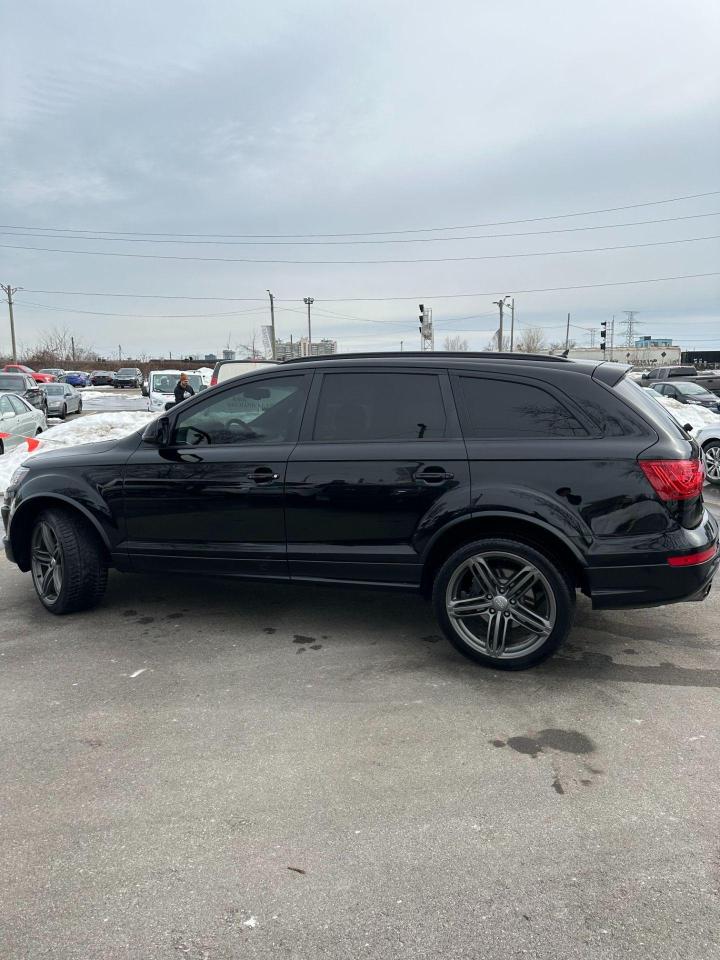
[37, 377]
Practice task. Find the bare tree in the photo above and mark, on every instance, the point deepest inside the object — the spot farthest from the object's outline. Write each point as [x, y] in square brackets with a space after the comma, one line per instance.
[58, 347]
[457, 344]
[557, 346]
[531, 340]
[492, 344]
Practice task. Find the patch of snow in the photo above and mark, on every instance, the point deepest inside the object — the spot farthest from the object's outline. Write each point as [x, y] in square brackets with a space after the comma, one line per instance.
[251, 922]
[137, 673]
[696, 416]
[99, 426]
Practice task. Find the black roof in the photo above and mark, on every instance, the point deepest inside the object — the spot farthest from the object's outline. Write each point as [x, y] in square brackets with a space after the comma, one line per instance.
[432, 355]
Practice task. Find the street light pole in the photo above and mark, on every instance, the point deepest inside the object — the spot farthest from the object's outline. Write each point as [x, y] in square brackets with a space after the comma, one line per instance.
[309, 301]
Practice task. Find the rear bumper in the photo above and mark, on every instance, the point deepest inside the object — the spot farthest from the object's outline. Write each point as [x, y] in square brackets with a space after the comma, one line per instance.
[654, 584]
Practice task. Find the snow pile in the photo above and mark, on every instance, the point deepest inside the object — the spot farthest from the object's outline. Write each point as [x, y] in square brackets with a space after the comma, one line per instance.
[100, 426]
[696, 416]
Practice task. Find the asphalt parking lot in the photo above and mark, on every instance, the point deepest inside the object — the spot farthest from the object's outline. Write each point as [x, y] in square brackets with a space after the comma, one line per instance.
[225, 770]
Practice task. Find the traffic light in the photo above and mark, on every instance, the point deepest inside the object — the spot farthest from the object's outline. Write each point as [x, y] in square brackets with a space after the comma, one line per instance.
[603, 335]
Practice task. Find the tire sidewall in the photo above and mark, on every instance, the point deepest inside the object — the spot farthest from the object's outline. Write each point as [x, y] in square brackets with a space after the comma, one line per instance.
[563, 592]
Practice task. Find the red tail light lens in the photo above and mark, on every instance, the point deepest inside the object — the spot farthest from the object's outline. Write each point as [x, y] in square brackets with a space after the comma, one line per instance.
[692, 559]
[674, 479]
[213, 381]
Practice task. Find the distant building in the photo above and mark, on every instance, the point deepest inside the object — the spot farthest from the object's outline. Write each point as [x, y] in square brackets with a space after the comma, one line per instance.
[289, 350]
[227, 355]
[653, 342]
[210, 358]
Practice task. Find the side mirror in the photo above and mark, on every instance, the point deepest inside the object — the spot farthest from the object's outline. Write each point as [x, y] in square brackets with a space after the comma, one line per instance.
[144, 391]
[157, 432]
[645, 376]
[687, 427]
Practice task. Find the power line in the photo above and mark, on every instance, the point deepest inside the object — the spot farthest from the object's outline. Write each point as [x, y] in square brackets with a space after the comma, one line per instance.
[330, 243]
[369, 233]
[494, 256]
[139, 316]
[414, 296]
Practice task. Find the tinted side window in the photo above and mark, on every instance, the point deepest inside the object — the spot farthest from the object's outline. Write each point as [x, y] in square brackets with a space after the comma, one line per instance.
[5, 406]
[356, 407]
[506, 409]
[266, 411]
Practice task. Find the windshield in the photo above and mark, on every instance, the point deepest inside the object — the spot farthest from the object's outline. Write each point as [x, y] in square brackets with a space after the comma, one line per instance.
[166, 382]
[127, 372]
[53, 389]
[693, 389]
[8, 382]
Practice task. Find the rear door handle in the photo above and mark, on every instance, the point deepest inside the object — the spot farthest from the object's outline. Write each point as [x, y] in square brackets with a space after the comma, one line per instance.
[432, 476]
[263, 475]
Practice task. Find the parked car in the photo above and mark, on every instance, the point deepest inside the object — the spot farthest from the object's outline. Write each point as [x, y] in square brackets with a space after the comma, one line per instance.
[161, 387]
[62, 399]
[710, 380]
[18, 420]
[499, 485]
[76, 378]
[28, 371]
[688, 392]
[24, 386]
[709, 440]
[128, 377]
[102, 378]
[225, 369]
[56, 372]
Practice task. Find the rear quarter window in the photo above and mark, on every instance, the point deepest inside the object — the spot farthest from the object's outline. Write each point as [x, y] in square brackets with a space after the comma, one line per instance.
[510, 409]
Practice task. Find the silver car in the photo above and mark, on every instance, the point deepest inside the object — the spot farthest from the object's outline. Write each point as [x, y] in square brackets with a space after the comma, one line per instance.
[18, 420]
[62, 399]
[709, 440]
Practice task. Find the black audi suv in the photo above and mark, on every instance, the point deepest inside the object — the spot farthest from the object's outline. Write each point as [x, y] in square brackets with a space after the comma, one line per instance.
[499, 485]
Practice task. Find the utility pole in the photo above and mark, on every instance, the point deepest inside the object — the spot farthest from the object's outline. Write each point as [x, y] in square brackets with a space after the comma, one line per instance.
[72, 348]
[9, 291]
[119, 353]
[612, 339]
[512, 325]
[272, 323]
[500, 304]
[401, 345]
[567, 333]
[309, 301]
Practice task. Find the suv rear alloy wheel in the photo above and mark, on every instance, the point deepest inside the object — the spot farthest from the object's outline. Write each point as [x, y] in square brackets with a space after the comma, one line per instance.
[69, 567]
[503, 603]
[712, 461]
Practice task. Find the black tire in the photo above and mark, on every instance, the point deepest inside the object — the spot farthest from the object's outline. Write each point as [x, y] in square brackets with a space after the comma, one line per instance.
[2, 448]
[712, 462]
[83, 564]
[63, 412]
[552, 596]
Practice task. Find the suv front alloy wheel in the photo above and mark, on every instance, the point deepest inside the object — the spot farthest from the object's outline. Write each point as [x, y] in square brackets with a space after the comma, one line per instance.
[503, 603]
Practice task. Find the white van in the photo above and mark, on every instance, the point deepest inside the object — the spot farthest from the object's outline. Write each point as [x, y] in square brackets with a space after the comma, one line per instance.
[226, 369]
[162, 383]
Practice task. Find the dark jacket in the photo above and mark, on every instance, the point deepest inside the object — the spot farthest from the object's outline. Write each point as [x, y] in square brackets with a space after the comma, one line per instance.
[182, 393]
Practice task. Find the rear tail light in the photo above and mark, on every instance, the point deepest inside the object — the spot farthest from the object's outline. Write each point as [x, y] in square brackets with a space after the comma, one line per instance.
[213, 381]
[692, 559]
[674, 479]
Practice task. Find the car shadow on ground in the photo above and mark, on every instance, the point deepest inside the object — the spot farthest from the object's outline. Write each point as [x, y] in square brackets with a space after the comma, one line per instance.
[656, 646]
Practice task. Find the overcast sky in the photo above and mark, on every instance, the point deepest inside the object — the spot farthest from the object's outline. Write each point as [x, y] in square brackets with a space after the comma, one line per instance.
[332, 117]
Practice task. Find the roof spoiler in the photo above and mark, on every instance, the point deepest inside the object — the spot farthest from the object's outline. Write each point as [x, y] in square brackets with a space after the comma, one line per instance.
[611, 373]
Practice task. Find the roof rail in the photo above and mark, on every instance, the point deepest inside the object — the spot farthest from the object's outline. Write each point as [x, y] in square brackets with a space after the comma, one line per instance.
[437, 354]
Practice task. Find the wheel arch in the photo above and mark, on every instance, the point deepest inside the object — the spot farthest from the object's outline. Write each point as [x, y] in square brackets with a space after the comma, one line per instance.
[527, 530]
[27, 512]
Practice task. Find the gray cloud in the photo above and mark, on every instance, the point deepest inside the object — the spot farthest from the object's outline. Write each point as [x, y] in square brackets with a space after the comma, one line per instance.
[327, 116]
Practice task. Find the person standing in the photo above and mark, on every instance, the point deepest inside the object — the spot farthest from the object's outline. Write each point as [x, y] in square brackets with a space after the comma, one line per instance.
[183, 390]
